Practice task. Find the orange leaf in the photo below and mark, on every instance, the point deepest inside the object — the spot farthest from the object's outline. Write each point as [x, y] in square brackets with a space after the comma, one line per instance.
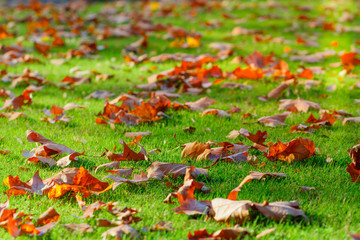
[295, 150]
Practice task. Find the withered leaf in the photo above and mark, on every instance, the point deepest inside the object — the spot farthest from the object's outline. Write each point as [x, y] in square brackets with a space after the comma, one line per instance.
[100, 94]
[115, 164]
[136, 134]
[325, 119]
[297, 105]
[351, 120]
[265, 232]
[160, 169]
[218, 112]
[82, 227]
[253, 175]
[226, 210]
[275, 93]
[305, 189]
[188, 204]
[275, 120]
[226, 234]
[194, 149]
[295, 150]
[127, 154]
[200, 104]
[120, 231]
[34, 186]
[12, 115]
[119, 180]
[48, 216]
[354, 154]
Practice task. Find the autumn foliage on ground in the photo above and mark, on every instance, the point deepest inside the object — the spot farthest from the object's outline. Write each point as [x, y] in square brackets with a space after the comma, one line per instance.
[172, 120]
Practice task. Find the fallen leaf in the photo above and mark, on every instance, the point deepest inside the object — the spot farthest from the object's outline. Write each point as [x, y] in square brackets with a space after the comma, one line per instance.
[275, 93]
[48, 216]
[136, 134]
[82, 227]
[194, 149]
[351, 120]
[265, 232]
[275, 120]
[226, 234]
[354, 154]
[253, 175]
[200, 104]
[226, 210]
[120, 231]
[188, 204]
[297, 105]
[295, 150]
[160, 169]
[220, 113]
[306, 189]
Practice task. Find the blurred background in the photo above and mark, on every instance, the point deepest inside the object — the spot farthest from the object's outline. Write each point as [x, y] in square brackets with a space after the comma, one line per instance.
[25, 2]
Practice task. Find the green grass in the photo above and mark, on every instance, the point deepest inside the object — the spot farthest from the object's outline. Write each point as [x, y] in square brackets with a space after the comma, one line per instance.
[332, 207]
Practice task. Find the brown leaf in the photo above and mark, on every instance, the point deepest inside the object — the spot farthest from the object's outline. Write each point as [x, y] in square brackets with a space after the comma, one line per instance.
[226, 210]
[12, 115]
[160, 169]
[265, 232]
[34, 186]
[82, 227]
[36, 137]
[161, 226]
[42, 48]
[120, 231]
[275, 120]
[297, 105]
[253, 175]
[351, 120]
[226, 234]
[19, 101]
[295, 150]
[115, 164]
[77, 181]
[354, 154]
[218, 112]
[65, 161]
[100, 94]
[325, 119]
[194, 149]
[200, 104]
[354, 173]
[275, 93]
[69, 106]
[48, 216]
[136, 134]
[188, 204]
[119, 180]
[305, 189]
[303, 128]
[128, 154]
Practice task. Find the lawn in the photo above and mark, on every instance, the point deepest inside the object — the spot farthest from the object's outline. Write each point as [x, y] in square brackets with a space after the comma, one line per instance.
[332, 207]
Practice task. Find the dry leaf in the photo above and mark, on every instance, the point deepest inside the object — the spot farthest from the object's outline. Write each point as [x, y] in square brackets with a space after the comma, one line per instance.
[275, 120]
[253, 175]
[297, 105]
[82, 227]
[226, 210]
[194, 149]
[226, 234]
[160, 169]
[295, 150]
[200, 104]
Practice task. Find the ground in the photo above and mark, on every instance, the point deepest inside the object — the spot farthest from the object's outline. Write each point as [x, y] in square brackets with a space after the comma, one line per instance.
[333, 207]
